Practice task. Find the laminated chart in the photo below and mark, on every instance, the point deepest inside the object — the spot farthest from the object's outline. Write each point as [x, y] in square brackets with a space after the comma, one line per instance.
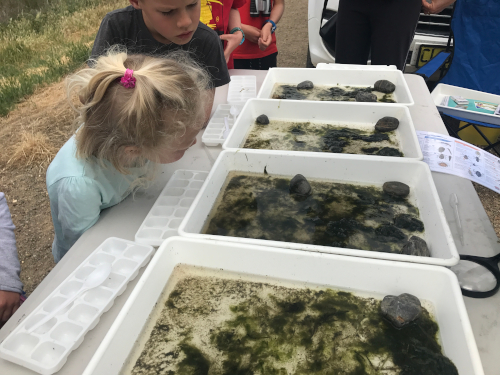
[454, 156]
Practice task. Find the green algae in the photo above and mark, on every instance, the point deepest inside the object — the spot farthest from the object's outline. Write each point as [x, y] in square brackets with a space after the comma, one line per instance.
[335, 214]
[326, 93]
[307, 136]
[271, 329]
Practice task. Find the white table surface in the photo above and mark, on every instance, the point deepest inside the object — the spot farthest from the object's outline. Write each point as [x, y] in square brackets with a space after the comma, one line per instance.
[124, 219]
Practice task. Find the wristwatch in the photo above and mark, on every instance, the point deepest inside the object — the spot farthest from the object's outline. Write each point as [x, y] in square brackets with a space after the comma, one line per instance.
[273, 28]
[238, 29]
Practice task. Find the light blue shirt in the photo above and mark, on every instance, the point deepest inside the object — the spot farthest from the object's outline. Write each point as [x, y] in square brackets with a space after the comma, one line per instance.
[78, 191]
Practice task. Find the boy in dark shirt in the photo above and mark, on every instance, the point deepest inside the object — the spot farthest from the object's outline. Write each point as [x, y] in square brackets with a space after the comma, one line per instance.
[157, 27]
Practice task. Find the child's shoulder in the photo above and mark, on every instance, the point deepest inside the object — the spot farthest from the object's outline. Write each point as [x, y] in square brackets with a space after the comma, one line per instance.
[205, 32]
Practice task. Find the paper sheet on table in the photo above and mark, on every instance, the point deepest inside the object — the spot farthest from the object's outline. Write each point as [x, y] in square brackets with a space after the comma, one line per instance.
[454, 156]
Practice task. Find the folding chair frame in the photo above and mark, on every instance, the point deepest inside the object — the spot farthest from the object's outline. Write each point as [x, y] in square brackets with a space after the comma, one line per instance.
[475, 125]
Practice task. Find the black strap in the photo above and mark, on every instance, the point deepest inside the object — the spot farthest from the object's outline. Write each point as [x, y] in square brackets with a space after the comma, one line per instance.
[324, 8]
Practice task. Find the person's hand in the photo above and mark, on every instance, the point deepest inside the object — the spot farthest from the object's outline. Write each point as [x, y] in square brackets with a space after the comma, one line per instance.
[265, 36]
[233, 41]
[9, 303]
[252, 33]
[435, 6]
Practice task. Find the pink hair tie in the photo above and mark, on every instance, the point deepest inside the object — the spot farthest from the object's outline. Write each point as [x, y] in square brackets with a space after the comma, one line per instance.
[128, 81]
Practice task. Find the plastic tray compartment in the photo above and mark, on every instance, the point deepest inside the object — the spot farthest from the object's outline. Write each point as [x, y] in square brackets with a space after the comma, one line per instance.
[46, 349]
[334, 77]
[342, 113]
[436, 285]
[214, 132]
[170, 208]
[338, 168]
[443, 90]
[241, 88]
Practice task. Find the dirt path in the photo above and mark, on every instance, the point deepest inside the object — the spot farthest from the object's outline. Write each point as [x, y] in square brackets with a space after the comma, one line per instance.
[47, 113]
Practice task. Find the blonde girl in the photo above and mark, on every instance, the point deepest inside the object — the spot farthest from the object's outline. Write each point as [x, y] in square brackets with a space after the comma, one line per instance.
[136, 110]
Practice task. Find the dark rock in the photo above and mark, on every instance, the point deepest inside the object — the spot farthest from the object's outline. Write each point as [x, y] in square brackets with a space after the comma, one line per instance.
[300, 186]
[366, 97]
[478, 174]
[401, 310]
[305, 85]
[406, 221]
[389, 151]
[390, 231]
[416, 246]
[387, 124]
[384, 86]
[397, 189]
[262, 120]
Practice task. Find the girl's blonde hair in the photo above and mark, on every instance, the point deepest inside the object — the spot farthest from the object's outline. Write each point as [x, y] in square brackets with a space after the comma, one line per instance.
[169, 97]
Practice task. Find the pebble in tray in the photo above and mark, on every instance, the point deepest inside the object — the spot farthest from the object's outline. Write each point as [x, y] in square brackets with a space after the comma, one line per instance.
[401, 310]
[305, 85]
[384, 86]
[396, 189]
[262, 120]
[387, 124]
[300, 186]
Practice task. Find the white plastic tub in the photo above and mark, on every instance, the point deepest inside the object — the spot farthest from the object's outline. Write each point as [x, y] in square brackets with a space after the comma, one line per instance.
[334, 77]
[443, 90]
[358, 115]
[339, 168]
[436, 285]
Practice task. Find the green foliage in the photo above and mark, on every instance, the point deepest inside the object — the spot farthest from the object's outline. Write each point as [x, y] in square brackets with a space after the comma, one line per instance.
[44, 42]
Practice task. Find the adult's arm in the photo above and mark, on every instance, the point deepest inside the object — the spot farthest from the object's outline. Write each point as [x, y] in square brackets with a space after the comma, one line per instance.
[275, 16]
[435, 6]
[10, 284]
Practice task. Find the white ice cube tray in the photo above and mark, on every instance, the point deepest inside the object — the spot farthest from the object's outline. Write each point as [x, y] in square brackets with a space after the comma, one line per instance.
[170, 208]
[241, 88]
[214, 132]
[46, 349]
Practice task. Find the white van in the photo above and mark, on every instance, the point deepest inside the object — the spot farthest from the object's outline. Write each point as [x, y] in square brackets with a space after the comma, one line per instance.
[430, 38]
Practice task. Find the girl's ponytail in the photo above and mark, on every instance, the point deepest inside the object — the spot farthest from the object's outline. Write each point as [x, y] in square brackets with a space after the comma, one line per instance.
[167, 97]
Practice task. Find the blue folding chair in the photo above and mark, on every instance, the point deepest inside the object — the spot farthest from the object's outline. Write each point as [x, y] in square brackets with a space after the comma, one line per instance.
[474, 58]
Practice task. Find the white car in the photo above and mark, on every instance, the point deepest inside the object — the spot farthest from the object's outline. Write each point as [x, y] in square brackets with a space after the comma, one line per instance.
[430, 38]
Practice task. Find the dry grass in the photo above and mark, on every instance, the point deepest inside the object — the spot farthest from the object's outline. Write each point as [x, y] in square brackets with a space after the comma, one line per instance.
[34, 149]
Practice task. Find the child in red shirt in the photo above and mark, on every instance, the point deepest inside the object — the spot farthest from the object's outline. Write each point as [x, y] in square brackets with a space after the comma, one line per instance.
[223, 17]
[259, 51]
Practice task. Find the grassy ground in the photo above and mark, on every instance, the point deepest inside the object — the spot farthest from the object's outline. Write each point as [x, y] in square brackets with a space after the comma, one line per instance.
[39, 47]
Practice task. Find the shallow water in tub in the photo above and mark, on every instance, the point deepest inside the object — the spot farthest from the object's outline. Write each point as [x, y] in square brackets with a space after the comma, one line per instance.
[217, 322]
[336, 214]
[327, 93]
[321, 137]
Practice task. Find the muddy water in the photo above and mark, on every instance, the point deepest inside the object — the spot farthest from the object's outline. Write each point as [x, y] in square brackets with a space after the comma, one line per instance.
[335, 214]
[321, 137]
[327, 93]
[214, 322]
